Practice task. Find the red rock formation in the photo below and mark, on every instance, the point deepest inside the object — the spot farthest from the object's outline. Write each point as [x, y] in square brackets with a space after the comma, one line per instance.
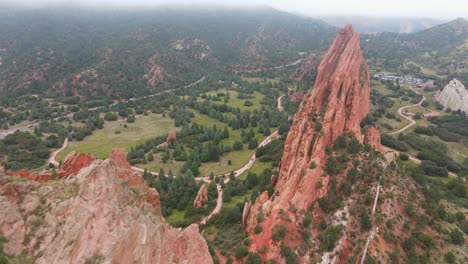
[337, 104]
[372, 137]
[154, 72]
[202, 197]
[106, 213]
[119, 157]
[307, 69]
[172, 135]
[73, 163]
[297, 96]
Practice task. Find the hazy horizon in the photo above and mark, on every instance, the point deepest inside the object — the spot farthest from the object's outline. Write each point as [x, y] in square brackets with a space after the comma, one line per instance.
[448, 9]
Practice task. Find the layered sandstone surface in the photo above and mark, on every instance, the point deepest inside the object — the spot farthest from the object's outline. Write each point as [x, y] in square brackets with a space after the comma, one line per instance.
[336, 105]
[104, 213]
[453, 96]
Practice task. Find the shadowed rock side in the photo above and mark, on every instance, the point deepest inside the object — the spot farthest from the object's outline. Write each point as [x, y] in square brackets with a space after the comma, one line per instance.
[307, 70]
[201, 198]
[106, 212]
[336, 105]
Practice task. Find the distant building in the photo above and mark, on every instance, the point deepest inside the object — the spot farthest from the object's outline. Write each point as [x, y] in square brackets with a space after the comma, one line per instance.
[405, 79]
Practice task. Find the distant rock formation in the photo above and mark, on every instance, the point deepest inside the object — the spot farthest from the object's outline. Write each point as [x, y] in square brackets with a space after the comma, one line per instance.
[453, 96]
[336, 105]
[105, 213]
[201, 198]
[307, 70]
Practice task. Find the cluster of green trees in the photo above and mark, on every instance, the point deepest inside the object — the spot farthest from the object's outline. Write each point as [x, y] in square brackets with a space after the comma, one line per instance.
[436, 160]
[24, 150]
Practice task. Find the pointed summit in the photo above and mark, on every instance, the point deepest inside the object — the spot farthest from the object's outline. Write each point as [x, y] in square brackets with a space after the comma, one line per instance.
[335, 106]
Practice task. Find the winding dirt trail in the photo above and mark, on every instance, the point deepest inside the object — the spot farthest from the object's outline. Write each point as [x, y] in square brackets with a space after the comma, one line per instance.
[414, 159]
[54, 154]
[409, 118]
[280, 104]
[271, 68]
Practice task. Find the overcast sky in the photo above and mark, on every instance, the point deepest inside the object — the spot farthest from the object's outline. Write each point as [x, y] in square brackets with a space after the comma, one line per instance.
[415, 8]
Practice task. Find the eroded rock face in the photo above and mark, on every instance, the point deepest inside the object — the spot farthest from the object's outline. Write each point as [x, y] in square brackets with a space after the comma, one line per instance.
[106, 212]
[74, 162]
[453, 96]
[202, 197]
[373, 138]
[307, 70]
[336, 105]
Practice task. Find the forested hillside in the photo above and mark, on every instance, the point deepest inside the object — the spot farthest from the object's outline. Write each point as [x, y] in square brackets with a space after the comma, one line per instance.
[126, 54]
[442, 48]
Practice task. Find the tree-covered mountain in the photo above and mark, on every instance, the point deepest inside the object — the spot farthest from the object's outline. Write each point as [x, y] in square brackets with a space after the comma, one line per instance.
[370, 24]
[129, 53]
[443, 48]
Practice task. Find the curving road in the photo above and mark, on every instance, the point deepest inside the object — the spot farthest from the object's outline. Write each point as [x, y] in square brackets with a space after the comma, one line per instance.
[409, 118]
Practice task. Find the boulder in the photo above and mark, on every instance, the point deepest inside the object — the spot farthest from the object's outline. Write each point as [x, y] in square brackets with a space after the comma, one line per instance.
[201, 198]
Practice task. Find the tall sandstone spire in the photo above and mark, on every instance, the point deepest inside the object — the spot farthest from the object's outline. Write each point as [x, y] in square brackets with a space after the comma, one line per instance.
[336, 105]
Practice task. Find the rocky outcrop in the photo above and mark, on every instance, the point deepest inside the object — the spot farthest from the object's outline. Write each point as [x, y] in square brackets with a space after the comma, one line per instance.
[372, 137]
[336, 105]
[308, 69]
[202, 197]
[453, 96]
[195, 48]
[171, 136]
[105, 213]
[154, 72]
[73, 163]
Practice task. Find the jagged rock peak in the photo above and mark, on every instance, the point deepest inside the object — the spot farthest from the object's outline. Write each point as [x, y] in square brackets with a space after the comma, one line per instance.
[201, 198]
[336, 105]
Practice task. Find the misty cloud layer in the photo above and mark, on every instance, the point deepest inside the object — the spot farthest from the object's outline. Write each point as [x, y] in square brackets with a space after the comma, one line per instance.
[416, 8]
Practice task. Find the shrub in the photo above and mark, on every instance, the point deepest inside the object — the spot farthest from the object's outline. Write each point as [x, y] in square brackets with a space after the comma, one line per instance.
[329, 237]
[456, 237]
[253, 258]
[241, 251]
[404, 156]
[450, 258]
[318, 125]
[312, 165]
[280, 233]
[390, 141]
[258, 229]
[248, 103]
[431, 168]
